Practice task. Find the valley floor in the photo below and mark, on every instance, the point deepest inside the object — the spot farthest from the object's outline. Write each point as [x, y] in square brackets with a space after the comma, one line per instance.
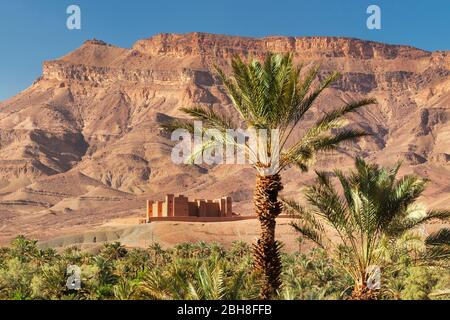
[169, 233]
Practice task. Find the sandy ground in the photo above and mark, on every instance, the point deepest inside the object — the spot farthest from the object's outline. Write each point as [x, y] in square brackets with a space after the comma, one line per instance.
[130, 233]
[168, 234]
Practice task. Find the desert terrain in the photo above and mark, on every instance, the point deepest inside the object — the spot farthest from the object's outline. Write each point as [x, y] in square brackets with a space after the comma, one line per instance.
[81, 149]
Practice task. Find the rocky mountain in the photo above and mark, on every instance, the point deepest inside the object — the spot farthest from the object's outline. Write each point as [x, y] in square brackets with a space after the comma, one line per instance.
[82, 145]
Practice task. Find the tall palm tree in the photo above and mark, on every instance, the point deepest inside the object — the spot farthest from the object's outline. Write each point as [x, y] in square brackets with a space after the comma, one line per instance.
[374, 206]
[273, 95]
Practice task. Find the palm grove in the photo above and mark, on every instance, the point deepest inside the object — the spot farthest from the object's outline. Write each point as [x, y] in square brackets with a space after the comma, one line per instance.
[364, 218]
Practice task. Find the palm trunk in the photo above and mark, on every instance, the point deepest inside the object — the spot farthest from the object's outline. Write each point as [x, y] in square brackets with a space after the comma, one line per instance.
[363, 292]
[267, 259]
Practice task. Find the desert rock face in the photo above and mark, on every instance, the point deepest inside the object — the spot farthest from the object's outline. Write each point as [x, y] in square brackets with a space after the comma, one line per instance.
[82, 145]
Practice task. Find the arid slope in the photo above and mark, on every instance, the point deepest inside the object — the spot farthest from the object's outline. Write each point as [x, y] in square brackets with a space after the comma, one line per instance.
[82, 145]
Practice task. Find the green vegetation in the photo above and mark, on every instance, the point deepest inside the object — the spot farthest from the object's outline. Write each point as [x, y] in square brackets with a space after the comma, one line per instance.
[273, 95]
[197, 271]
[375, 212]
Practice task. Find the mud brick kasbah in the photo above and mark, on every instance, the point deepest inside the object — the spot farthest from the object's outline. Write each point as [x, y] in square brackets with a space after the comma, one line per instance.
[180, 206]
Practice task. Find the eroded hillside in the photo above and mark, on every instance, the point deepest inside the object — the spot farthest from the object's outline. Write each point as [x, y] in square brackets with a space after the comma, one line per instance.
[82, 145]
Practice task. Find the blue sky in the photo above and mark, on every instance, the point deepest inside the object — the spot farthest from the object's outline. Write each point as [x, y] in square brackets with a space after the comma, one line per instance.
[32, 31]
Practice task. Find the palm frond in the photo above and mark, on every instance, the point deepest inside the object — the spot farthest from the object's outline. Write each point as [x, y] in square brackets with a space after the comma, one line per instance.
[329, 143]
[438, 246]
[309, 233]
[340, 112]
[235, 95]
[399, 226]
[210, 118]
[307, 102]
[441, 237]
[304, 151]
[407, 190]
[306, 222]
[329, 204]
[299, 106]
[173, 125]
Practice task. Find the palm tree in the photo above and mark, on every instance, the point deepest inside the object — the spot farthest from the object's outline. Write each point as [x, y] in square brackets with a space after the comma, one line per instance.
[113, 251]
[125, 289]
[24, 249]
[273, 96]
[374, 207]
